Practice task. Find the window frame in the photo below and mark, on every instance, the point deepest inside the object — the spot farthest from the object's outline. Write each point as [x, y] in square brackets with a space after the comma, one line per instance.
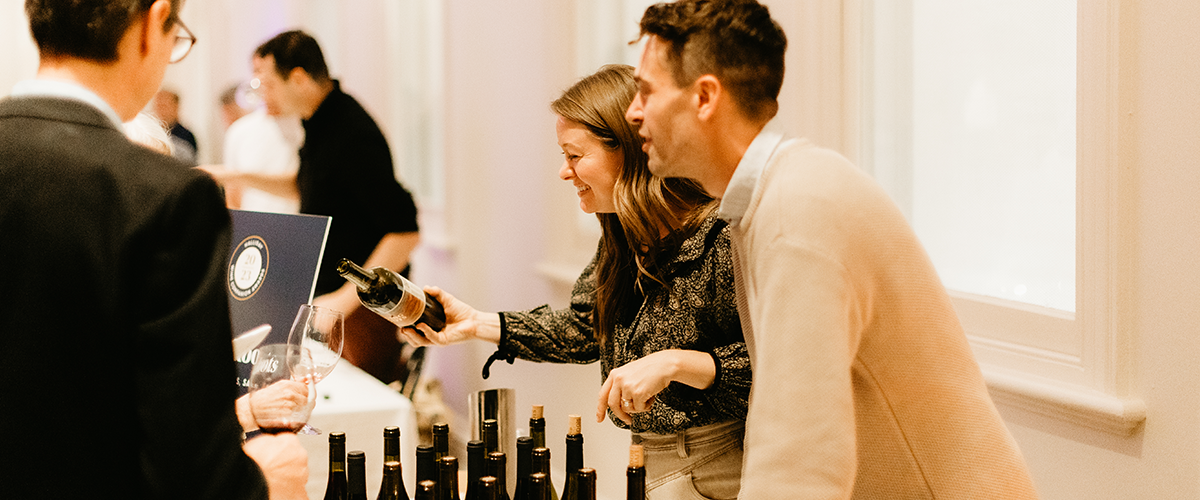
[1075, 367]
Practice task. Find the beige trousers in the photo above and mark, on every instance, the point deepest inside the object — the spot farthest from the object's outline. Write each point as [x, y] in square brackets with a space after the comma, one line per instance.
[701, 463]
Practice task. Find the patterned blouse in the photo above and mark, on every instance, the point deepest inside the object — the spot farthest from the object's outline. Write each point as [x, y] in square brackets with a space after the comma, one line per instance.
[696, 311]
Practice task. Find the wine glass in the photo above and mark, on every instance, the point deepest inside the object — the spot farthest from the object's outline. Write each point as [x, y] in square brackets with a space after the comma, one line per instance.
[317, 334]
[282, 392]
[319, 331]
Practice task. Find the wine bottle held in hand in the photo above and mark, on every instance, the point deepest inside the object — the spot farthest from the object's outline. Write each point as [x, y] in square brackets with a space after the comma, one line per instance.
[392, 296]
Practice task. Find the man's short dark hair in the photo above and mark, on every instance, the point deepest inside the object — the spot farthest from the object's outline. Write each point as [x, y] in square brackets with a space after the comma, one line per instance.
[734, 40]
[295, 49]
[86, 29]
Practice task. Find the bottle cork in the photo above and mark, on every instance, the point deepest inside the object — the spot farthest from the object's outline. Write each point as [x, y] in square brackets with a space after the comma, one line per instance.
[575, 426]
[635, 456]
[537, 411]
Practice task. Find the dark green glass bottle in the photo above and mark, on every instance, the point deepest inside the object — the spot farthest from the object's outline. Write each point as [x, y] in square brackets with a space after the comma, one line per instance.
[335, 488]
[635, 475]
[356, 475]
[392, 487]
[541, 464]
[447, 484]
[426, 463]
[524, 467]
[574, 457]
[497, 467]
[475, 459]
[441, 440]
[585, 481]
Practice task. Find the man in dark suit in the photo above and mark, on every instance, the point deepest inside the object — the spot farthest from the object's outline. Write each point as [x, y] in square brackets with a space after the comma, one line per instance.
[114, 319]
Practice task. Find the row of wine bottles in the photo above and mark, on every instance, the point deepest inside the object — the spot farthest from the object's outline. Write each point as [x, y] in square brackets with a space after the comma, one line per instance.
[437, 470]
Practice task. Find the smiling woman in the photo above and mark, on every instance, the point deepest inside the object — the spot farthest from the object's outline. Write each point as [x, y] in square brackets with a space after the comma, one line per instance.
[589, 164]
[655, 307]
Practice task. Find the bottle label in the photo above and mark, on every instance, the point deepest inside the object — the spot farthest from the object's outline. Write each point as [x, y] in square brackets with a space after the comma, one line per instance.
[406, 312]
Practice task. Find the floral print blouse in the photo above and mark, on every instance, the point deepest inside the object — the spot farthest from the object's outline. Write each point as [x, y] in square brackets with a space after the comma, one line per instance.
[695, 311]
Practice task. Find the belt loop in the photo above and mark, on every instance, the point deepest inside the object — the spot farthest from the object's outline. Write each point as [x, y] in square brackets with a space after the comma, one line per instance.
[681, 444]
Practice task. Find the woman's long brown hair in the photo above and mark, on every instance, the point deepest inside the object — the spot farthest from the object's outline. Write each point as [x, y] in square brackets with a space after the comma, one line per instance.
[632, 246]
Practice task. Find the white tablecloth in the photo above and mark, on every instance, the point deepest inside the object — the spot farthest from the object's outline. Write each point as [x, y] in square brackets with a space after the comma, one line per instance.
[351, 401]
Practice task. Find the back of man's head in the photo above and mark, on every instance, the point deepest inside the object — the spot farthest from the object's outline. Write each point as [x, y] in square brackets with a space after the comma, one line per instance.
[734, 40]
[295, 49]
[86, 29]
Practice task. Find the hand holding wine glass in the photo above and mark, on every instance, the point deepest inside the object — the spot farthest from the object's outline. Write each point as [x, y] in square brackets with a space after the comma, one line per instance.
[281, 388]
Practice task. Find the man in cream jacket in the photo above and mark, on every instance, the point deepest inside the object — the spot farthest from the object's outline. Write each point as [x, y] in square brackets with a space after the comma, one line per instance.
[864, 384]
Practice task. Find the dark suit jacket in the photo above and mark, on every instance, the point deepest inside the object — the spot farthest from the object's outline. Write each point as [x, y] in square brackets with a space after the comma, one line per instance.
[114, 321]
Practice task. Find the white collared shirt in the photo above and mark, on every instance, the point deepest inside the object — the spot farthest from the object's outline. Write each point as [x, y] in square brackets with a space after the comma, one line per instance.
[65, 90]
[741, 186]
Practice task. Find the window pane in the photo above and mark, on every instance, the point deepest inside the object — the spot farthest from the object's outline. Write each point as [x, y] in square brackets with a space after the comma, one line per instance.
[986, 169]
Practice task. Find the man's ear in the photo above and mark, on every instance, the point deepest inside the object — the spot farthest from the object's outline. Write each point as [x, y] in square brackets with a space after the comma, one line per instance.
[708, 94]
[151, 30]
[298, 75]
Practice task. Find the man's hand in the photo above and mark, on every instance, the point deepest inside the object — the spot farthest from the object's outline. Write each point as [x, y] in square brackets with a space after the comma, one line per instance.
[283, 462]
[274, 406]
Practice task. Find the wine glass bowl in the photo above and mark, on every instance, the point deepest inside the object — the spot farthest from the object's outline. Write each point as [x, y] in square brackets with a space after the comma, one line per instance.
[282, 395]
[320, 332]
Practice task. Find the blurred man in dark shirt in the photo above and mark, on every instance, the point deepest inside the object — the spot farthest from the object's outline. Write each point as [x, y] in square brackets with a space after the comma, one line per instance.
[346, 173]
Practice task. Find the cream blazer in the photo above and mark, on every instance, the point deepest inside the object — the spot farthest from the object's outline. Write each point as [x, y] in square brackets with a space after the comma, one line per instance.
[864, 384]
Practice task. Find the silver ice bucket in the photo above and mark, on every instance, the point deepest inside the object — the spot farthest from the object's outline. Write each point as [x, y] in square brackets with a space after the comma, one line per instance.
[497, 404]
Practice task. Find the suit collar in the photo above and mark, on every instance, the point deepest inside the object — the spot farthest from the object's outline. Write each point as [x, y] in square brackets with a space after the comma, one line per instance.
[55, 108]
[63, 89]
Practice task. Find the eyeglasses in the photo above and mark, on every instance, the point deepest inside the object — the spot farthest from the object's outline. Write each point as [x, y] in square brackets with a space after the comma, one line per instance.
[184, 40]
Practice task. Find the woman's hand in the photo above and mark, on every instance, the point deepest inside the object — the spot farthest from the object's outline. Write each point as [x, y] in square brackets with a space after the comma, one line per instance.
[631, 388]
[463, 323]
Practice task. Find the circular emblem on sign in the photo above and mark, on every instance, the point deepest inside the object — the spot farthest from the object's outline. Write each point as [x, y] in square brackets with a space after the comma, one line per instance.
[248, 267]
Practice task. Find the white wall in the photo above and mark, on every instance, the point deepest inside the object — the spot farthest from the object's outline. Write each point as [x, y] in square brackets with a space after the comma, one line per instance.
[1159, 146]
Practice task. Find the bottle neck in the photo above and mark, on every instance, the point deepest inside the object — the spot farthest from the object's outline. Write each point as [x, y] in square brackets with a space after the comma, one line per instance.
[356, 474]
[574, 452]
[337, 457]
[537, 431]
[636, 483]
[475, 461]
[495, 467]
[391, 445]
[362, 278]
[426, 464]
